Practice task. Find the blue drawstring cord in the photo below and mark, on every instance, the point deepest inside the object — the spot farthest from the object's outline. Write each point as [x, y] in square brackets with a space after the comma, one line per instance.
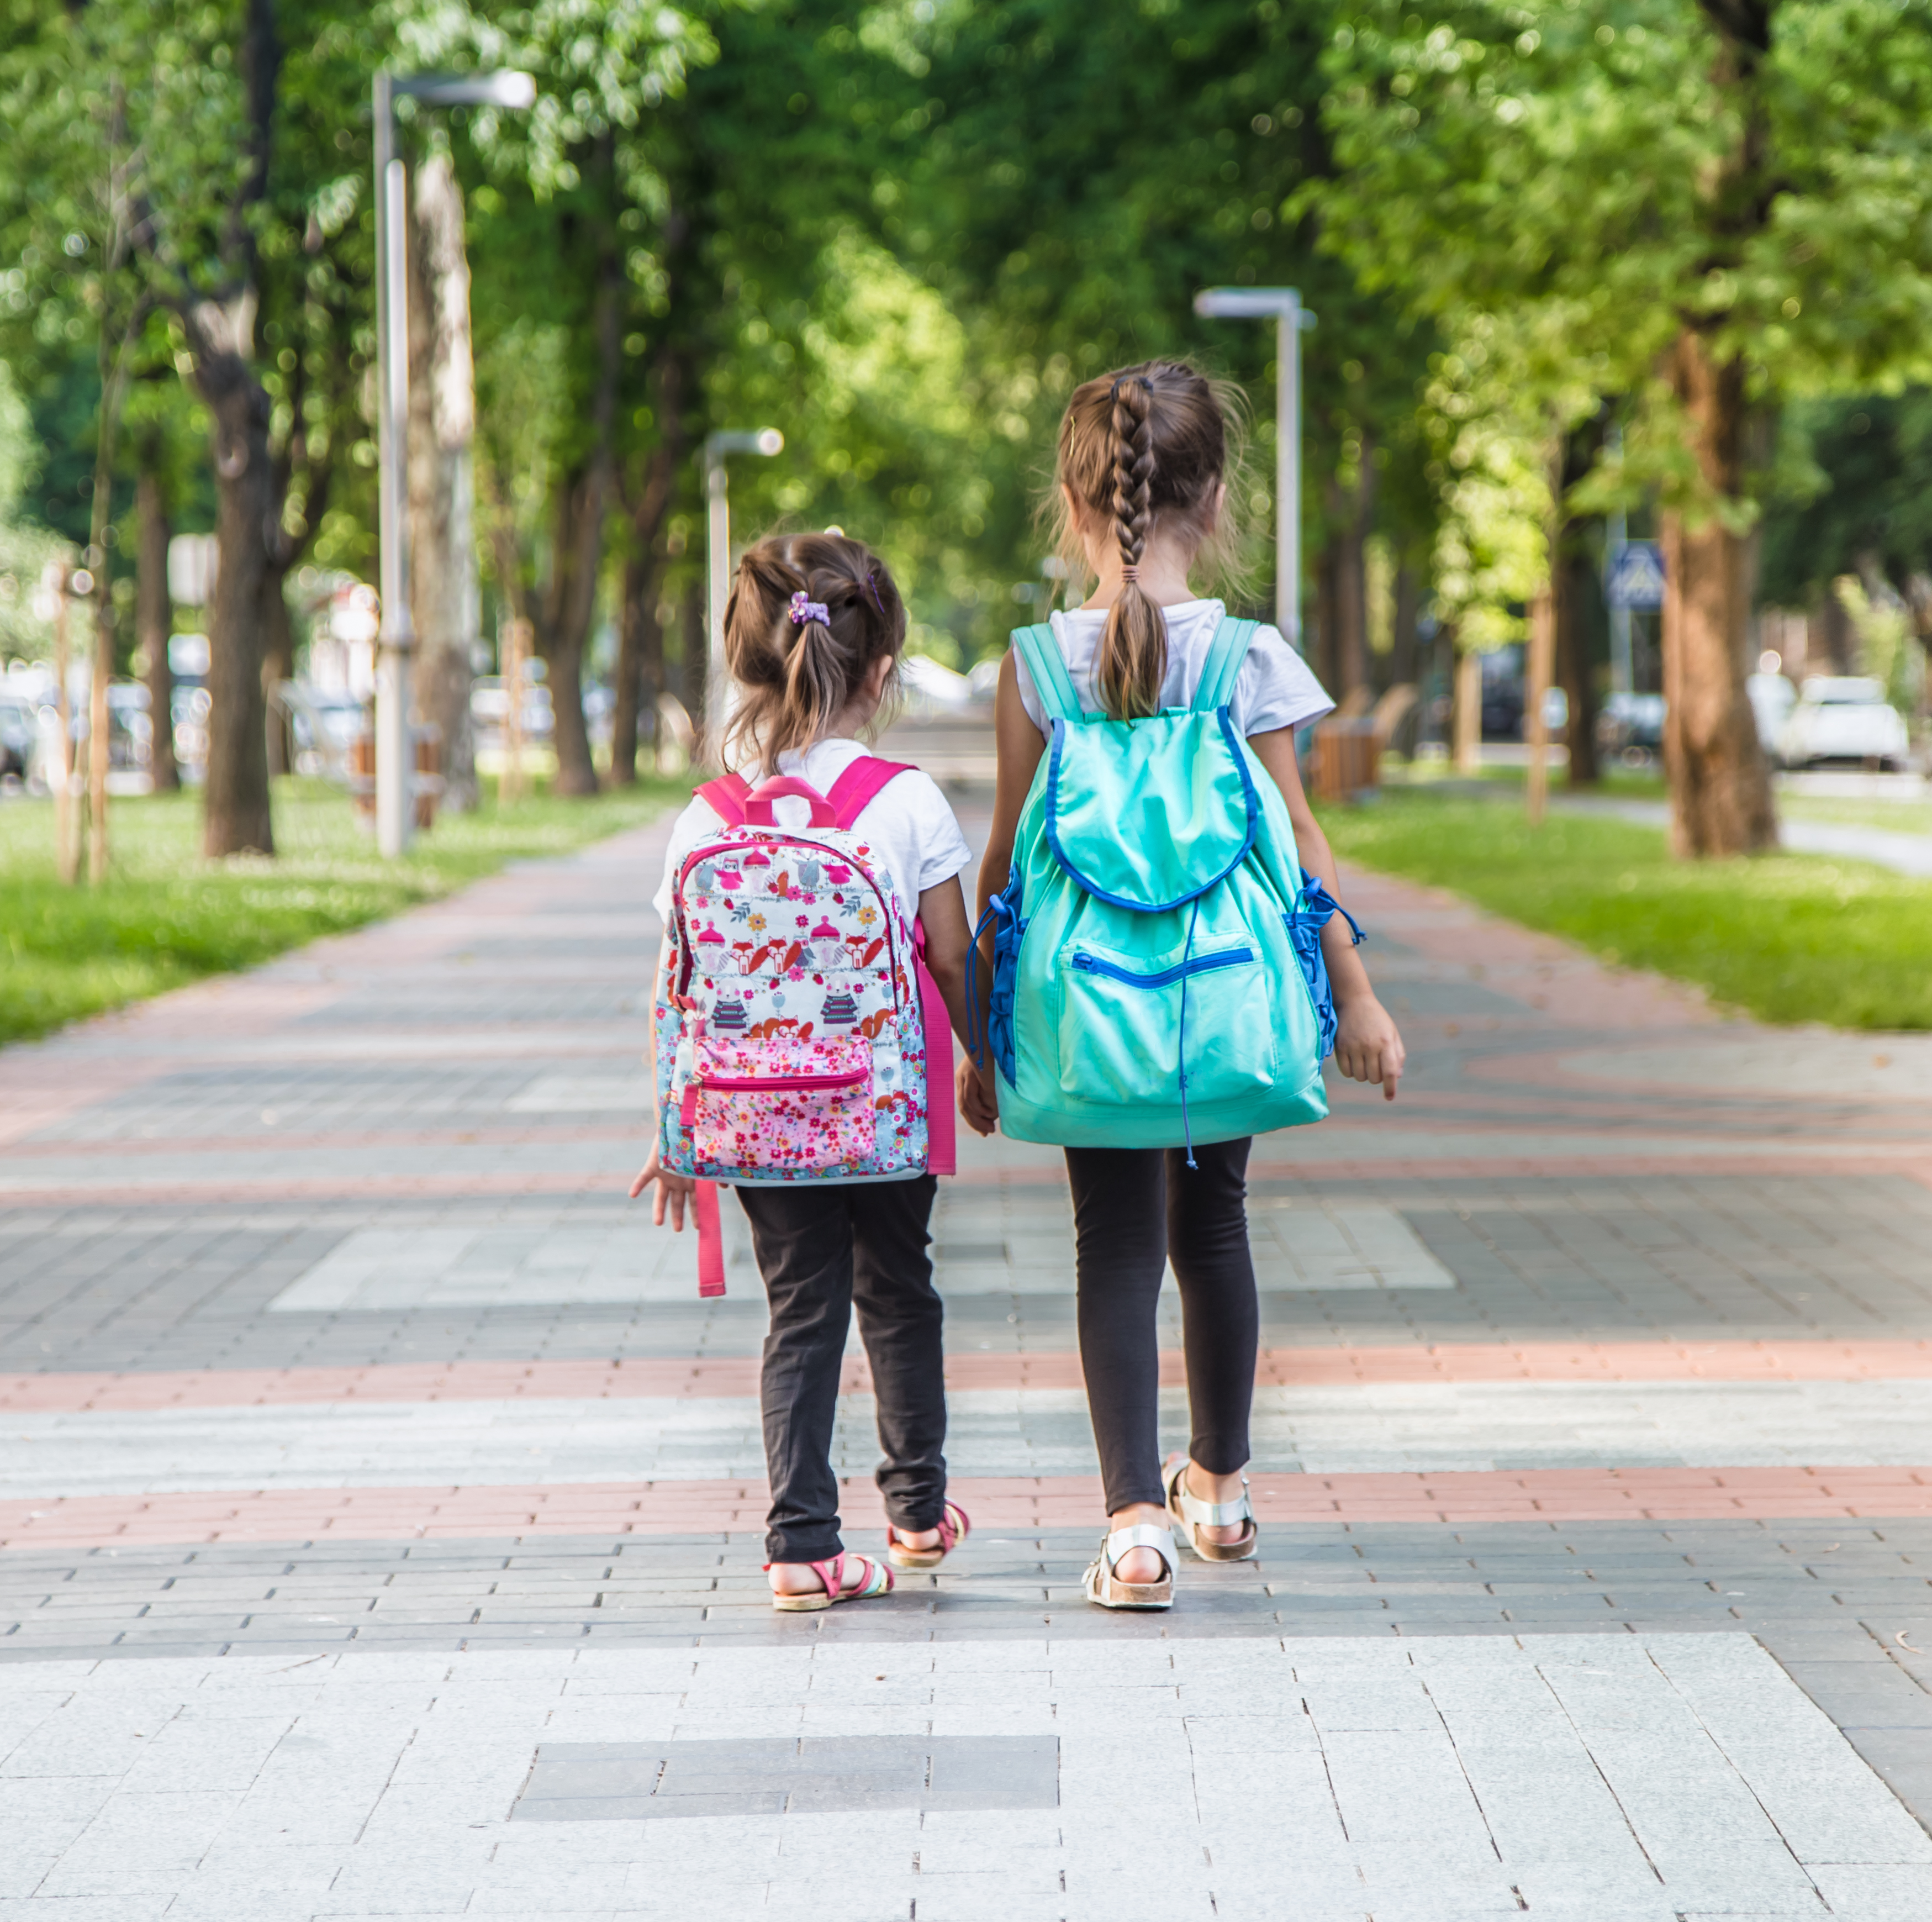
[978, 1038]
[1186, 1131]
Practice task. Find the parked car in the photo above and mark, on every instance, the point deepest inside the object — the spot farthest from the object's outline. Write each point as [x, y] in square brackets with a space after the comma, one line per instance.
[326, 722]
[1772, 698]
[1502, 694]
[1843, 717]
[489, 708]
[1631, 726]
[19, 725]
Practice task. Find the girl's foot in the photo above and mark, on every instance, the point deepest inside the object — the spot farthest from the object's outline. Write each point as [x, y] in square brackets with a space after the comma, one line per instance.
[1211, 1513]
[801, 1587]
[927, 1548]
[1148, 1550]
[1139, 1563]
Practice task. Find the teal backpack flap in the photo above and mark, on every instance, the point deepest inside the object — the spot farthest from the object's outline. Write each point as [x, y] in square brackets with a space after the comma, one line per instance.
[1147, 990]
[1149, 814]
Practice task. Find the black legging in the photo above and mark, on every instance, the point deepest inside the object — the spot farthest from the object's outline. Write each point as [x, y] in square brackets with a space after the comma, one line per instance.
[1134, 1209]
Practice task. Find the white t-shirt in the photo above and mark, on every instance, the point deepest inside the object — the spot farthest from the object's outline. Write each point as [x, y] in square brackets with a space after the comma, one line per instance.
[907, 820]
[1274, 689]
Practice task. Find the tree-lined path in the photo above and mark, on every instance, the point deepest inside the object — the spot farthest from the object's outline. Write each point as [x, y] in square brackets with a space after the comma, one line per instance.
[381, 1507]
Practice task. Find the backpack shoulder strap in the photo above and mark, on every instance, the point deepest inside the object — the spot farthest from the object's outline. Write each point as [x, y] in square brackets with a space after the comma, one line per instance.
[1223, 667]
[1050, 680]
[726, 796]
[858, 787]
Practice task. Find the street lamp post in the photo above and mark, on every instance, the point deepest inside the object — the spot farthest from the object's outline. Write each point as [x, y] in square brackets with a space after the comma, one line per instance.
[767, 440]
[1283, 305]
[395, 759]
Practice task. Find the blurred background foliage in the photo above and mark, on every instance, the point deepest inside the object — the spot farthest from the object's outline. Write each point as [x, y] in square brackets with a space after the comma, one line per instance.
[902, 232]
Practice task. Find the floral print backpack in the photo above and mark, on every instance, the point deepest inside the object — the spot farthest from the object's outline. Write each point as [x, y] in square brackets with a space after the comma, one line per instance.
[798, 1031]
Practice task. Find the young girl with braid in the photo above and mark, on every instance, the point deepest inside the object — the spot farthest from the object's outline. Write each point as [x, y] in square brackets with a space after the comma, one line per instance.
[813, 632]
[1142, 499]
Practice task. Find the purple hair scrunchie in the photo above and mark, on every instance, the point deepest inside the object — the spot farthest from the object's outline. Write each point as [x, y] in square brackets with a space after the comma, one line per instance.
[804, 608]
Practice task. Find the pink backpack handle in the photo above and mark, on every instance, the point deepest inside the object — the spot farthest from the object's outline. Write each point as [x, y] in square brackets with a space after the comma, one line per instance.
[726, 797]
[858, 786]
[781, 787]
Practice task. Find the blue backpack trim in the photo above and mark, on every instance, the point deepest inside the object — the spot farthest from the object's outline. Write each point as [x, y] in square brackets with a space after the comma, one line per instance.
[1319, 908]
[1250, 800]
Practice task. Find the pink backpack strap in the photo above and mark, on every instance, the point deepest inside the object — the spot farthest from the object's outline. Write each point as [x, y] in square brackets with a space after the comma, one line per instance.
[858, 786]
[710, 1240]
[942, 1150]
[726, 797]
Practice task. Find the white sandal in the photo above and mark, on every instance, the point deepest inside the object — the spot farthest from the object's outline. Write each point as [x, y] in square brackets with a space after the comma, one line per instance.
[1191, 1514]
[1106, 1590]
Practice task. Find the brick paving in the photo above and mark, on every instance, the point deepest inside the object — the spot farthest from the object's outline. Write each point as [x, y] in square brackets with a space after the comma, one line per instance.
[363, 1444]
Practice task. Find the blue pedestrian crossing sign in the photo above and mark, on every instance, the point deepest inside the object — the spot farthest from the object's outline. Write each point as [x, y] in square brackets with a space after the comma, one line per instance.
[1637, 576]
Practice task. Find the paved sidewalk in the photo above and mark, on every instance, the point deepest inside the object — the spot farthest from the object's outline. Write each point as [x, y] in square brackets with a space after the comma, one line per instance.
[379, 1525]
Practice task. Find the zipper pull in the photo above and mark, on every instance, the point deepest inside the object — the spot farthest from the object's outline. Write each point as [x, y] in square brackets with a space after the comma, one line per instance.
[687, 1107]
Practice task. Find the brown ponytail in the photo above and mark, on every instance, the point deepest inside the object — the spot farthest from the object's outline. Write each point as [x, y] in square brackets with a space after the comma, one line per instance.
[795, 677]
[1144, 448]
[1132, 662]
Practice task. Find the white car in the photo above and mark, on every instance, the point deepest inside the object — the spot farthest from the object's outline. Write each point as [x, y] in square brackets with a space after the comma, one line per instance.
[1843, 717]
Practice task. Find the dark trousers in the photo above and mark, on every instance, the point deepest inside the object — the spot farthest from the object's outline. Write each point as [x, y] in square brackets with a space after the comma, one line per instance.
[823, 1251]
[1135, 1209]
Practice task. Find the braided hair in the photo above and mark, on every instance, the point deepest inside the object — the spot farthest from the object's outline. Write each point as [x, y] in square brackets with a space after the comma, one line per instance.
[1144, 447]
[808, 616]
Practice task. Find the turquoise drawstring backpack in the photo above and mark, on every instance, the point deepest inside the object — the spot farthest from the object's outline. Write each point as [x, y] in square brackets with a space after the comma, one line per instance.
[1157, 969]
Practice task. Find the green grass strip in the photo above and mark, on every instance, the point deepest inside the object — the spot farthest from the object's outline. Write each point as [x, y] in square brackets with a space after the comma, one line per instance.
[1787, 938]
[165, 916]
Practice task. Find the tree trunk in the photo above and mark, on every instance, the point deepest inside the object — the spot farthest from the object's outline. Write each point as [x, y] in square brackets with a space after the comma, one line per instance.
[696, 654]
[584, 502]
[1402, 636]
[641, 649]
[1574, 591]
[236, 804]
[278, 665]
[1467, 713]
[578, 548]
[1575, 585]
[1351, 512]
[1327, 648]
[1721, 801]
[445, 596]
[154, 620]
[640, 640]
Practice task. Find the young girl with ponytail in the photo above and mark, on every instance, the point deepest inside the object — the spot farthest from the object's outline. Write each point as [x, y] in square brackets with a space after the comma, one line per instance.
[1141, 500]
[813, 632]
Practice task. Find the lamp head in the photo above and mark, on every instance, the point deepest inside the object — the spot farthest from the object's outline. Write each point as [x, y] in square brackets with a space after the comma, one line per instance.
[1246, 303]
[504, 88]
[763, 440]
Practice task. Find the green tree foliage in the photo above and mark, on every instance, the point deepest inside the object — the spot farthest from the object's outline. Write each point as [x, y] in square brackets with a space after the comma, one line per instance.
[25, 549]
[1710, 204]
[207, 163]
[1854, 496]
[1082, 173]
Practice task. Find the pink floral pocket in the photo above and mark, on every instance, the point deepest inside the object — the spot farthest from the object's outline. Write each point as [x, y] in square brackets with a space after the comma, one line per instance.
[780, 1103]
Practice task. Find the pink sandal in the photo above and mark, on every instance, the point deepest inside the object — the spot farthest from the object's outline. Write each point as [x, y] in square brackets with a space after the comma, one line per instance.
[877, 1580]
[954, 1527]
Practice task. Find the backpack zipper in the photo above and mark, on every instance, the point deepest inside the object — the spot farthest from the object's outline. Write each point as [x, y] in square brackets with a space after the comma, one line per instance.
[757, 1084]
[1084, 963]
[745, 1084]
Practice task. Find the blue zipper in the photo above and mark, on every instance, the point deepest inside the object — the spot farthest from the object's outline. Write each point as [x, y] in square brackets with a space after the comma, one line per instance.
[1084, 963]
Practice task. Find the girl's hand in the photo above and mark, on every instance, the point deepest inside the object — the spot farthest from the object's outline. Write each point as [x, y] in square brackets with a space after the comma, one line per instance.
[1367, 1046]
[978, 1105]
[674, 1189]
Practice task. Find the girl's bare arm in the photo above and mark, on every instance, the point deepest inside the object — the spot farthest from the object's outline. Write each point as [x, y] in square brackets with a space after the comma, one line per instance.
[1368, 1047]
[942, 913]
